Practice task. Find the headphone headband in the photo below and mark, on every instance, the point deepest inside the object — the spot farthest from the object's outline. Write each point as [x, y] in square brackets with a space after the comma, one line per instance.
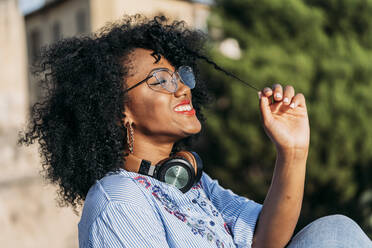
[183, 170]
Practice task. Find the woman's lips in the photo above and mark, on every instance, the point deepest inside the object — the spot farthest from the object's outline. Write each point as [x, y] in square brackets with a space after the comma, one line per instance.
[183, 102]
[184, 108]
[189, 112]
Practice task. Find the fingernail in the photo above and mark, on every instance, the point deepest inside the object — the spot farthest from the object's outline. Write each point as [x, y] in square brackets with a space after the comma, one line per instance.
[259, 95]
[278, 95]
[292, 105]
[285, 100]
[266, 90]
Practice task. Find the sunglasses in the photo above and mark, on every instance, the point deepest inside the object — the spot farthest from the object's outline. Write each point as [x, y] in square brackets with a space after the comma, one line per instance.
[164, 79]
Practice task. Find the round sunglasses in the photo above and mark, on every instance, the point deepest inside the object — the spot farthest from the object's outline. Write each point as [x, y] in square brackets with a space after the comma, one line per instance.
[168, 80]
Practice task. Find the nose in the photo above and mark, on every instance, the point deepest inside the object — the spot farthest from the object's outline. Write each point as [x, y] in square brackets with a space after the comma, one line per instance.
[182, 89]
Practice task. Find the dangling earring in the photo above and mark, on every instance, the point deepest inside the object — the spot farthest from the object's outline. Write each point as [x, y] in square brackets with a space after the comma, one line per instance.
[130, 137]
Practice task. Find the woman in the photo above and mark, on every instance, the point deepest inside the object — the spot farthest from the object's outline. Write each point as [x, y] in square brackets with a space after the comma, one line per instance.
[116, 130]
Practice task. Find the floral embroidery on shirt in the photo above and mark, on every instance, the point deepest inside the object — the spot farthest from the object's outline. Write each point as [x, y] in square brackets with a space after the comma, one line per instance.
[198, 185]
[198, 226]
[205, 204]
[170, 206]
[142, 180]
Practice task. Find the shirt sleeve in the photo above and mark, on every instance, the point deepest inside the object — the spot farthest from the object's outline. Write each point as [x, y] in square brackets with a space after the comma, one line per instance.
[239, 213]
[127, 225]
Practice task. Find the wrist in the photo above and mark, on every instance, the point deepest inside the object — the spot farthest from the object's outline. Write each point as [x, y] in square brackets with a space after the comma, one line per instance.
[292, 154]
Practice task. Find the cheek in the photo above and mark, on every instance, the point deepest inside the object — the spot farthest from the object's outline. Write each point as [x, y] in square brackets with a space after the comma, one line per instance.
[161, 110]
[152, 111]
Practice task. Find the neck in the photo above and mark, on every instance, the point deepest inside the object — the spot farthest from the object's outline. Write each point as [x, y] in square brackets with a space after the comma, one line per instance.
[149, 150]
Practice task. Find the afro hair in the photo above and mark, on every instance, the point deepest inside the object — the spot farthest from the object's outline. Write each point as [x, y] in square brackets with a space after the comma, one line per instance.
[79, 120]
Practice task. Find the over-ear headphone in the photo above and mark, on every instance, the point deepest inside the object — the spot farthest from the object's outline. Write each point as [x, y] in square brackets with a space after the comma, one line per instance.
[183, 170]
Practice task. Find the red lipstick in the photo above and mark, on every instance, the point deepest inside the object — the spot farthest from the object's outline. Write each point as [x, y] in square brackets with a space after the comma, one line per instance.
[185, 112]
[186, 101]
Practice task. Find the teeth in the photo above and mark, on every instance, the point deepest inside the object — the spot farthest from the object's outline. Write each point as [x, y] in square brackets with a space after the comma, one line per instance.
[183, 108]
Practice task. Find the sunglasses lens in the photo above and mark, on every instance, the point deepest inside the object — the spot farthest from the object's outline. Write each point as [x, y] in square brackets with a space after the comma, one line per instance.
[164, 81]
[187, 76]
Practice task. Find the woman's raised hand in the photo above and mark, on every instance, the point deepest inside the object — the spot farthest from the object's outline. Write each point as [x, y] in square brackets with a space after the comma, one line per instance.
[285, 121]
[284, 117]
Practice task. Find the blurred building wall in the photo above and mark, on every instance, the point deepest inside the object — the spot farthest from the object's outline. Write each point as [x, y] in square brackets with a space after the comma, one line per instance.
[56, 20]
[66, 18]
[193, 13]
[29, 215]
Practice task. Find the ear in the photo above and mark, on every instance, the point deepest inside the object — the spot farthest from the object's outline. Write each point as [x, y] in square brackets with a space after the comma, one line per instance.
[128, 117]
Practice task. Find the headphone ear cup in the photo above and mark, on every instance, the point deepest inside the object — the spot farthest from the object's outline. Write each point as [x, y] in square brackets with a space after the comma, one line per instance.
[195, 161]
[177, 171]
[189, 157]
[183, 170]
[199, 165]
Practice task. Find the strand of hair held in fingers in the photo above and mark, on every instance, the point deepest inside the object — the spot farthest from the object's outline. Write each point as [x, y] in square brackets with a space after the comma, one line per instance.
[226, 72]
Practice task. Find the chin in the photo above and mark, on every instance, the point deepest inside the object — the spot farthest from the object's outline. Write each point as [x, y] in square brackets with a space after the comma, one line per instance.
[192, 130]
[188, 128]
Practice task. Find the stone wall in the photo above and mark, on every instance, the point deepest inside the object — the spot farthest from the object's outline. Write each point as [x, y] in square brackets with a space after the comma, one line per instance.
[29, 215]
[60, 20]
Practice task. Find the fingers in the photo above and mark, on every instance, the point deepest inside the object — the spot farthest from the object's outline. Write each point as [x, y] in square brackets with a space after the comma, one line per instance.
[278, 92]
[267, 92]
[287, 96]
[265, 104]
[298, 100]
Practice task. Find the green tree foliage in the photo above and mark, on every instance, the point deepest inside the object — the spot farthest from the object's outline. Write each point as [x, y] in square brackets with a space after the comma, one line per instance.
[322, 48]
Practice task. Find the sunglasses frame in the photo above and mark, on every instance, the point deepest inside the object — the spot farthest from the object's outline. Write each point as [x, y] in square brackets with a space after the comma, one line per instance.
[153, 74]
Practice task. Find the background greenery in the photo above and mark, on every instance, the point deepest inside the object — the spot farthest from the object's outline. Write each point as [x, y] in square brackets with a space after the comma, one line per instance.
[322, 48]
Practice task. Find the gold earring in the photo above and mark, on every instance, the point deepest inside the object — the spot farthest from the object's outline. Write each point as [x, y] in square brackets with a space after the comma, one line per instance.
[130, 137]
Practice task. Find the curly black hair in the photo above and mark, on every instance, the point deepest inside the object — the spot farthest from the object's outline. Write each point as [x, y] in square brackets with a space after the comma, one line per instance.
[79, 121]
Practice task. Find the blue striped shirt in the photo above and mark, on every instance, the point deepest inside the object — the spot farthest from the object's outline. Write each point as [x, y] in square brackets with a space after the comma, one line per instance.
[127, 209]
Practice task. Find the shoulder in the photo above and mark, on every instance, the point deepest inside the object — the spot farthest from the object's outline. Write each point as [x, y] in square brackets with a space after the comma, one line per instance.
[121, 187]
[115, 188]
[206, 179]
[207, 182]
